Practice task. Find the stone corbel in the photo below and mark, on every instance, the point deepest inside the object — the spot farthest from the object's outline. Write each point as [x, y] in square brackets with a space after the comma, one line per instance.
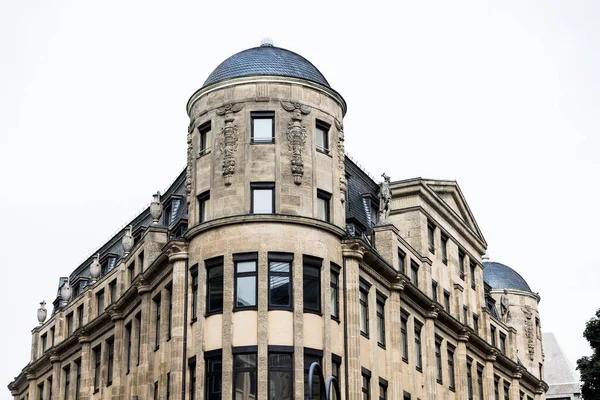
[433, 312]
[399, 284]
[464, 335]
[228, 139]
[492, 355]
[296, 137]
[177, 252]
[353, 250]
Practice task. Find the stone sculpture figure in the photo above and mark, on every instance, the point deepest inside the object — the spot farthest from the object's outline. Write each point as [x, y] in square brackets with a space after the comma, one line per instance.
[505, 307]
[385, 197]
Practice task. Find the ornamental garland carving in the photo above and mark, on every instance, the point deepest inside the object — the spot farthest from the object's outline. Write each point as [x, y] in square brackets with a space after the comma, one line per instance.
[529, 331]
[296, 137]
[343, 183]
[188, 169]
[228, 139]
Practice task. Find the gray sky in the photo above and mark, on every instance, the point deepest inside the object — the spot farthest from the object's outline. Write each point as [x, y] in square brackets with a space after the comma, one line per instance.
[502, 97]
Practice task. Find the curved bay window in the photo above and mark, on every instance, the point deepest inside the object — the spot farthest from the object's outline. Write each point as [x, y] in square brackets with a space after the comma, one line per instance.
[245, 281]
[244, 373]
[281, 384]
[214, 285]
[312, 284]
[280, 281]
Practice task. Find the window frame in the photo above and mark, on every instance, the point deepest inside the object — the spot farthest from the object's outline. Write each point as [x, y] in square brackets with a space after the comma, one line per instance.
[418, 328]
[157, 317]
[316, 263]
[169, 289]
[365, 375]
[447, 303]
[450, 350]
[480, 381]
[211, 375]
[402, 261]
[438, 359]
[334, 292]
[404, 335]
[262, 186]
[239, 258]
[502, 337]
[469, 378]
[325, 128]
[434, 290]
[325, 197]
[219, 281]
[67, 385]
[278, 257]
[472, 268]
[383, 387]
[315, 354]
[363, 290]
[194, 293]
[461, 263]
[204, 207]
[255, 115]
[100, 306]
[281, 350]
[431, 237]
[110, 360]
[97, 351]
[245, 350]
[476, 323]
[444, 248]
[414, 273]
[492, 335]
[203, 130]
[381, 337]
[128, 333]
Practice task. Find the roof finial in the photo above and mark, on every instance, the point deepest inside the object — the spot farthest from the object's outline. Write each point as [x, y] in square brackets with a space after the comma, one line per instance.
[266, 42]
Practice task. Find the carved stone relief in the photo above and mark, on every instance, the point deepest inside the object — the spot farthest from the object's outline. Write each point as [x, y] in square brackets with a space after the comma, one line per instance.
[296, 137]
[341, 155]
[228, 139]
[529, 331]
[190, 158]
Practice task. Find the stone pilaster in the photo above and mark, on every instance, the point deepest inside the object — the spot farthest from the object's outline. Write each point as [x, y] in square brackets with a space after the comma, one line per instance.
[352, 257]
[227, 373]
[56, 386]
[458, 302]
[395, 364]
[488, 375]
[143, 375]
[298, 328]
[430, 361]
[118, 391]
[263, 309]
[85, 385]
[461, 365]
[32, 386]
[515, 386]
[178, 256]
[35, 338]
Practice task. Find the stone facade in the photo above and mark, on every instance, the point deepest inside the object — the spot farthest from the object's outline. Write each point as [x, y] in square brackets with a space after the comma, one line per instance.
[178, 314]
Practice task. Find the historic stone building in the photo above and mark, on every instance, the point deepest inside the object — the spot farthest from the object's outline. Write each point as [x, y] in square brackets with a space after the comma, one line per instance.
[273, 250]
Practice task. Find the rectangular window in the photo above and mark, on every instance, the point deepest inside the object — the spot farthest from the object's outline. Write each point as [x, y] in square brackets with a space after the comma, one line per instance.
[156, 390]
[157, 307]
[476, 323]
[67, 374]
[506, 390]
[469, 379]
[336, 368]
[110, 343]
[128, 344]
[281, 383]
[194, 299]
[192, 373]
[366, 384]
[434, 290]
[169, 290]
[244, 376]
[100, 302]
[214, 375]
[438, 359]
[451, 380]
[43, 340]
[383, 385]
[465, 312]
[70, 324]
[480, 381]
[131, 272]
[414, 273]
[404, 336]
[52, 336]
[140, 262]
[214, 285]
[310, 357]
[50, 397]
[402, 261]
[138, 326]
[280, 281]
[204, 207]
[245, 281]
[364, 309]
[431, 237]
[80, 316]
[461, 264]
[335, 294]
[472, 267]
[406, 396]
[97, 369]
[503, 343]
[205, 138]
[493, 335]
[444, 248]
[263, 127]
[112, 289]
[77, 378]
[168, 385]
[418, 353]
[311, 281]
[381, 320]
[262, 198]
[323, 199]
[447, 301]
[322, 137]
[41, 391]
[496, 388]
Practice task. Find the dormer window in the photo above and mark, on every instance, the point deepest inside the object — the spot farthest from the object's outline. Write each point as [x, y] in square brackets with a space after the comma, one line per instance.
[108, 264]
[322, 137]
[171, 211]
[205, 138]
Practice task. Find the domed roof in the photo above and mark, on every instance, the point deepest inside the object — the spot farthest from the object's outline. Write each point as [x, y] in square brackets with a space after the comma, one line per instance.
[500, 276]
[266, 60]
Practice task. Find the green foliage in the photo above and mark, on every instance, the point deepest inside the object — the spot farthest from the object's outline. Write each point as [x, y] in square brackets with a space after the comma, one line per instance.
[589, 367]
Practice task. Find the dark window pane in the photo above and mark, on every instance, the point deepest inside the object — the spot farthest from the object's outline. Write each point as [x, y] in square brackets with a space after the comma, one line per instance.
[312, 289]
[280, 377]
[246, 291]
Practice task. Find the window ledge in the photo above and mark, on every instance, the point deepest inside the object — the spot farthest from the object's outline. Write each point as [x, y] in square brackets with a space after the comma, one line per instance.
[238, 309]
[204, 153]
[364, 334]
[419, 369]
[316, 312]
[208, 314]
[336, 319]
[381, 345]
[405, 360]
[280, 308]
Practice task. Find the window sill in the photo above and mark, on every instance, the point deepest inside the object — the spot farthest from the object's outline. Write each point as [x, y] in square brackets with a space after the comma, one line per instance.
[156, 348]
[432, 250]
[405, 360]
[316, 312]
[252, 308]
[381, 345]
[280, 308]
[203, 153]
[451, 388]
[327, 152]
[419, 369]
[445, 261]
[96, 391]
[439, 381]
[108, 384]
[336, 319]
[265, 141]
[193, 321]
[208, 314]
[364, 334]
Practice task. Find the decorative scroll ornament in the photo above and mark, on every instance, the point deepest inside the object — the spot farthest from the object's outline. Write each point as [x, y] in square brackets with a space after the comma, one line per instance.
[296, 137]
[228, 139]
[529, 331]
[341, 155]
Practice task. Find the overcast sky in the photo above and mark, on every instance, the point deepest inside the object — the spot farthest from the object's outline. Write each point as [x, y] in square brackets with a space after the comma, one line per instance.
[503, 97]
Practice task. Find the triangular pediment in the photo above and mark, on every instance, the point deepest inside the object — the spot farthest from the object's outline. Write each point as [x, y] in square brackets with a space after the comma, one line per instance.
[451, 195]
